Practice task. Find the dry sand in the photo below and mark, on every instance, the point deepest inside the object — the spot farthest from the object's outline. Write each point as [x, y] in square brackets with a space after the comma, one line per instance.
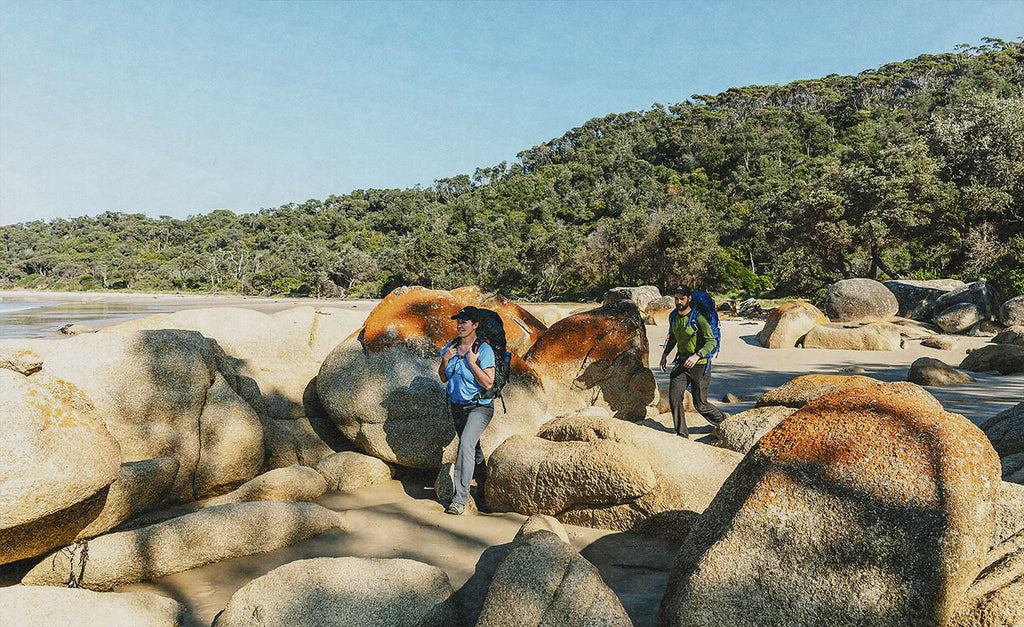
[401, 519]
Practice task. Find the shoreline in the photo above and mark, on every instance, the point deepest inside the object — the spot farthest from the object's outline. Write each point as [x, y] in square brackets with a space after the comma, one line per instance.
[86, 297]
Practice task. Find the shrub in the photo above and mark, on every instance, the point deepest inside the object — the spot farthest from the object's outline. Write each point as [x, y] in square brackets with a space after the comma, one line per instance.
[1006, 272]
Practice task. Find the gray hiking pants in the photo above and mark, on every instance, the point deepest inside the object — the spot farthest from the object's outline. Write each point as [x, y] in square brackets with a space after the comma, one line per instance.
[470, 422]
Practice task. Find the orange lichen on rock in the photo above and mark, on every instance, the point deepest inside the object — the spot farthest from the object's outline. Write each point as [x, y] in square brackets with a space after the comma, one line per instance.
[596, 335]
[805, 388]
[415, 316]
[421, 314]
[891, 441]
[423, 317]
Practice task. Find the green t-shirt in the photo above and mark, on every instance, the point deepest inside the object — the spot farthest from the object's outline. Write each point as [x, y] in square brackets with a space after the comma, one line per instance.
[686, 337]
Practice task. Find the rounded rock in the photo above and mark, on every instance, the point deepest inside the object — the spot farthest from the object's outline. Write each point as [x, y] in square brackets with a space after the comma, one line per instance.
[859, 300]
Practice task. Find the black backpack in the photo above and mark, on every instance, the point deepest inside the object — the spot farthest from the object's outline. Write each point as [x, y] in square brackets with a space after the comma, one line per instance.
[492, 331]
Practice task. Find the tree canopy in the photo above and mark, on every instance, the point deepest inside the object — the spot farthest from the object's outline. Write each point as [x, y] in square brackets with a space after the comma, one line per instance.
[914, 169]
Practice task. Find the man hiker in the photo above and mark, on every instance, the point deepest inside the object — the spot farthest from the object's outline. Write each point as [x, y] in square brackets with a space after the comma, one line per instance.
[696, 341]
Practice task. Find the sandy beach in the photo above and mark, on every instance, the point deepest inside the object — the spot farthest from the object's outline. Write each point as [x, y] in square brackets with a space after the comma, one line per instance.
[401, 518]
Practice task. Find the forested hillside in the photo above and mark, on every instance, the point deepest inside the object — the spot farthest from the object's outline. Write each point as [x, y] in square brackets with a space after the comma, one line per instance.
[914, 169]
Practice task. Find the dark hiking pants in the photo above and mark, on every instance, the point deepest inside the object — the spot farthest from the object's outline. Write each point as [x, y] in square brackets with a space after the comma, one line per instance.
[697, 381]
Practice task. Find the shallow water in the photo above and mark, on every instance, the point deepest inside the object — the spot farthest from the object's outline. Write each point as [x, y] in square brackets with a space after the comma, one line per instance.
[42, 319]
[41, 314]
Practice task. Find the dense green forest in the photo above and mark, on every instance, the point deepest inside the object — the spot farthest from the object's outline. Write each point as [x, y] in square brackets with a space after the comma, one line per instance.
[914, 169]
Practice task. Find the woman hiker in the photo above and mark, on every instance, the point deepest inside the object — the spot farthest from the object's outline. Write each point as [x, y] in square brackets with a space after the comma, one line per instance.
[467, 368]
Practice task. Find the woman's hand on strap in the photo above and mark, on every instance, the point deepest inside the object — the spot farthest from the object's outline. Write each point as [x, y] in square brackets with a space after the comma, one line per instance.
[450, 352]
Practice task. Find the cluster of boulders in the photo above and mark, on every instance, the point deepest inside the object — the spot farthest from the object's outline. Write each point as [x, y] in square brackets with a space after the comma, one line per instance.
[99, 429]
[146, 449]
[863, 314]
[856, 502]
[856, 314]
[956, 307]
[381, 389]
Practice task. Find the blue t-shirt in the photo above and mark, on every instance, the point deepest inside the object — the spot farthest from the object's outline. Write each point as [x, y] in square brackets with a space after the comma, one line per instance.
[462, 385]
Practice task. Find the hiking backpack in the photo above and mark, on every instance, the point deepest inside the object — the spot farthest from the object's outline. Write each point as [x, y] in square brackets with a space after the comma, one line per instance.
[492, 331]
[701, 302]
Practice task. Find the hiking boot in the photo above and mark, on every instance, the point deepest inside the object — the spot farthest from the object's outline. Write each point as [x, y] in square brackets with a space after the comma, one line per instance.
[456, 509]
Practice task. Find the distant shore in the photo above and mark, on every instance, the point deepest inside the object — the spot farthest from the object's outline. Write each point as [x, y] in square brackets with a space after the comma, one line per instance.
[85, 297]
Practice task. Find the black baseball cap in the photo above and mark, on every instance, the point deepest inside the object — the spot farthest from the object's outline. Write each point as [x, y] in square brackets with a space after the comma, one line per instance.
[681, 289]
[467, 313]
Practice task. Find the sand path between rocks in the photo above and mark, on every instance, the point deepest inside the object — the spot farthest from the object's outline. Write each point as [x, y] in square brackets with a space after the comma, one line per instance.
[400, 519]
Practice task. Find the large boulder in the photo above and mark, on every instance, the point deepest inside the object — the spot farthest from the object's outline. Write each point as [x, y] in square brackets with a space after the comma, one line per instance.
[349, 470]
[873, 336]
[1011, 312]
[917, 298]
[381, 388]
[341, 591]
[869, 506]
[421, 315]
[542, 580]
[640, 296]
[165, 393]
[230, 441]
[190, 541]
[1001, 358]
[806, 388]
[1006, 432]
[1010, 335]
[48, 606]
[281, 352]
[532, 475]
[859, 300]
[273, 357]
[929, 371]
[57, 463]
[389, 402]
[740, 432]
[958, 318]
[979, 293]
[596, 358]
[787, 324]
[593, 470]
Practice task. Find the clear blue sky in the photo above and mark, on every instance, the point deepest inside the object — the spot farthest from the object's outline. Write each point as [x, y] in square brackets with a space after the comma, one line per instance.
[180, 108]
